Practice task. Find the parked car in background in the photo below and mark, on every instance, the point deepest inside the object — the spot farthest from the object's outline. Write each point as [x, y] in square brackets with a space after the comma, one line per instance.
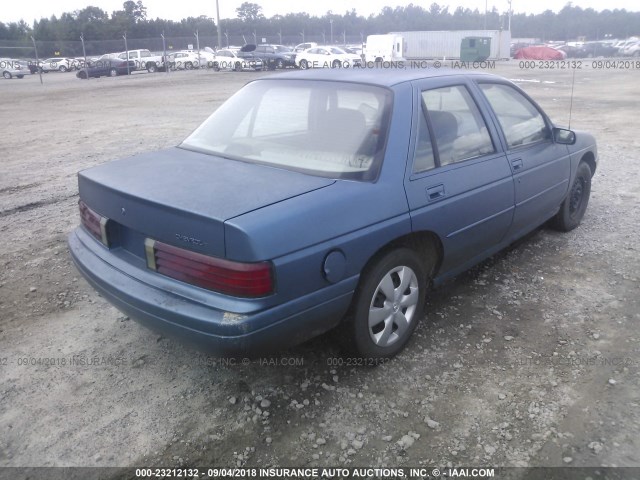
[205, 56]
[569, 51]
[269, 225]
[597, 49]
[327, 57]
[184, 60]
[13, 68]
[108, 65]
[56, 64]
[631, 49]
[301, 47]
[34, 67]
[272, 56]
[622, 44]
[229, 60]
[144, 60]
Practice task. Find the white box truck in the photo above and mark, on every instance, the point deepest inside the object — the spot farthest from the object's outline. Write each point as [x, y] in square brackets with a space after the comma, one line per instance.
[384, 48]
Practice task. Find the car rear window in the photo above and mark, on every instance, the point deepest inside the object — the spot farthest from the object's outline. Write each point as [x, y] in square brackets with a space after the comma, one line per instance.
[330, 129]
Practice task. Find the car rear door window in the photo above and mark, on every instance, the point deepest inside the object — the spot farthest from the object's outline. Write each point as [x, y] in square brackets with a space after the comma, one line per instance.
[521, 122]
[459, 130]
[423, 159]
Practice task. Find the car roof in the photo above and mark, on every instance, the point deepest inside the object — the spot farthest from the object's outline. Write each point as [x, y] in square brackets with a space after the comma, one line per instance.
[384, 77]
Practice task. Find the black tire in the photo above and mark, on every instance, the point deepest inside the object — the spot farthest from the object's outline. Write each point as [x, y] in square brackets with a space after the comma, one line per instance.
[304, 64]
[336, 64]
[188, 66]
[82, 74]
[280, 63]
[575, 204]
[238, 67]
[216, 67]
[6, 75]
[63, 68]
[20, 76]
[152, 68]
[113, 72]
[380, 324]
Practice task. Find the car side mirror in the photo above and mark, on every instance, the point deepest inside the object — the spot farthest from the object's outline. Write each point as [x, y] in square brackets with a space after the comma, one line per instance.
[564, 136]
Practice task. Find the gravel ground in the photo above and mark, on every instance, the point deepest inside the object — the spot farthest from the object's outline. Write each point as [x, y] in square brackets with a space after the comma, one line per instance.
[529, 359]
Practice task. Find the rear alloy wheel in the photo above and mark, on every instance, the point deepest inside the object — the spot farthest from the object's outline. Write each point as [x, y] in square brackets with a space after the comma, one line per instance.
[304, 64]
[575, 204]
[387, 305]
[6, 75]
[63, 68]
[113, 72]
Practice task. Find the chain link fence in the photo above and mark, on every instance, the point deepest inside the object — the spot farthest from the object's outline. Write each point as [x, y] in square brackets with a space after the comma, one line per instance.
[94, 48]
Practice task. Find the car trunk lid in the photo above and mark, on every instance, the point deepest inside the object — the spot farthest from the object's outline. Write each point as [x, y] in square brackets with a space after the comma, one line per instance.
[183, 197]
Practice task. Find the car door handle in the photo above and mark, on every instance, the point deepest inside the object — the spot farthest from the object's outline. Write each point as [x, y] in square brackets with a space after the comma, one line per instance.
[434, 193]
[516, 164]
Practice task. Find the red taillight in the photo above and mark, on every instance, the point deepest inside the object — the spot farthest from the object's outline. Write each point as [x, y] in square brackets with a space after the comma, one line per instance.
[217, 274]
[95, 224]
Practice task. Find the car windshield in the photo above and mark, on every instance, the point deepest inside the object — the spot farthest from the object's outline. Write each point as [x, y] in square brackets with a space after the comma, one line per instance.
[330, 129]
[337, 51]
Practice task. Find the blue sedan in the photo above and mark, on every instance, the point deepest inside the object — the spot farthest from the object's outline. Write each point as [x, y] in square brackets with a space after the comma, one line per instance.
[321, 199]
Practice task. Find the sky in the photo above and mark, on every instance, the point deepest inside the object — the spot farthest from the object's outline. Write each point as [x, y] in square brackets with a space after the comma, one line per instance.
[30, 10]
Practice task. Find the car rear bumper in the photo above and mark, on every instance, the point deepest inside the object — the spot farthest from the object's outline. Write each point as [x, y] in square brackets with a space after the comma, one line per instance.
[211, 329]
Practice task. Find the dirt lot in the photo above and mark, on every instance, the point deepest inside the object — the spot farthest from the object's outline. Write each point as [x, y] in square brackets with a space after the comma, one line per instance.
[530, 359]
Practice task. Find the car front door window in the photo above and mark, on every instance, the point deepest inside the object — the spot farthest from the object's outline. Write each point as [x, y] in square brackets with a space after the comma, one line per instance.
[460, 131]
[521, 122]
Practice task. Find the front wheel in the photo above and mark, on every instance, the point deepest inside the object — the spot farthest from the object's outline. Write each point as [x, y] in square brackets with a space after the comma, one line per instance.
[113, 72]
[280, 64]
[152, 68]
[387, 305]
[304, 64]
[575, 204]
[6, 75]
[63, 68]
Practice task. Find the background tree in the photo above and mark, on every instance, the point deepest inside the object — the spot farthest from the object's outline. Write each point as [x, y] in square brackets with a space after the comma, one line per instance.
[249, 12]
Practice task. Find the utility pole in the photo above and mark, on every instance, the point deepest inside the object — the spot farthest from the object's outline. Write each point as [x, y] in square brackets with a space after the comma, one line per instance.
[84, 53]
[331, 23]
[126, 51]
[218, 24]
[37, 59]
[485, 13]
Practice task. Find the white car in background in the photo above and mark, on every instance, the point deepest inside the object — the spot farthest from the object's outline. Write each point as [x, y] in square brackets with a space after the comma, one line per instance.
[57, 64]
[631, 49]
[301, 47]
[327, 57]
[13, 68]
[190, 59]
[227, 59]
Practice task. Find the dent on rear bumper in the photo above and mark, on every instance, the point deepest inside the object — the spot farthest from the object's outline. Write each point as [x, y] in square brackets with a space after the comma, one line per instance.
[211, 328]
